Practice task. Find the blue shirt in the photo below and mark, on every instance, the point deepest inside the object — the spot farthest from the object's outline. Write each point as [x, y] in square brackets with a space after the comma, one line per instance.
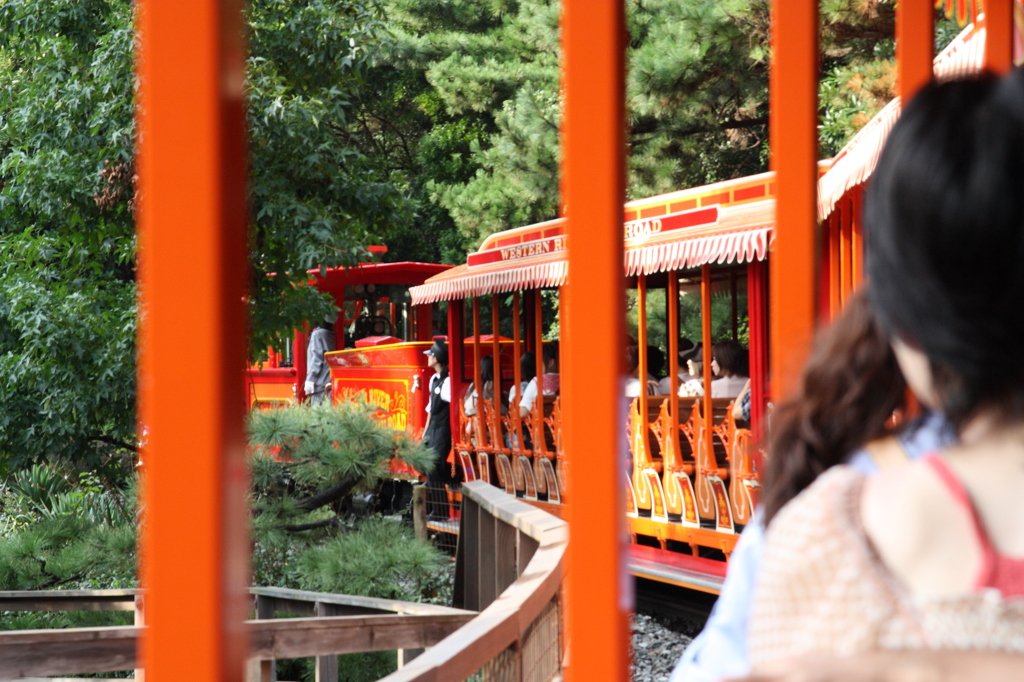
[720, 650]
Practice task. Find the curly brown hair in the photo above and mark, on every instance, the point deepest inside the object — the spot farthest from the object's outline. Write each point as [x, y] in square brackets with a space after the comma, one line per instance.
[850, 388]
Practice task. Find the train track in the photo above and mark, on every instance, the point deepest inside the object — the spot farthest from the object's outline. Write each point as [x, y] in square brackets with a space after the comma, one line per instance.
[673, 603]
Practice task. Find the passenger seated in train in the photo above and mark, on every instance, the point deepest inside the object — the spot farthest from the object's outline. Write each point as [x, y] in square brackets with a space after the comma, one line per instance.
[729, 363]
[694, 383]
[741, 406]
[632, 375]
[655, 363]
[551, 379]
[527, 371]
[665, 384]
[487, 379]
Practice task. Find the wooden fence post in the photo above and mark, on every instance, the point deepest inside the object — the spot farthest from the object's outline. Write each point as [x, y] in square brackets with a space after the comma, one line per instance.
[485, 560]
[326, 666]
[256, 670]
[405, 656]
[140, 620]
[419, 511]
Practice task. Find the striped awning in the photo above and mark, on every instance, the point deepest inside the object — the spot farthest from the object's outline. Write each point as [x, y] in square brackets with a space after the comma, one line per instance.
[855, 163]
[461, 282]
[536, 256]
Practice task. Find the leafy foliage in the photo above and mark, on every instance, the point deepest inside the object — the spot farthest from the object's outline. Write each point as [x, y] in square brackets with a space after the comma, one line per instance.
[58, 530]
[67, 358]
[420, 124]
[67, 199]
[323, 443]
[478, 134]
[381, 560]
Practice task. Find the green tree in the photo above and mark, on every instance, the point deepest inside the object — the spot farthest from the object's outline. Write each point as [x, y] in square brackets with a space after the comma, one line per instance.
[67, 200]
[466, 122]
[61, 530]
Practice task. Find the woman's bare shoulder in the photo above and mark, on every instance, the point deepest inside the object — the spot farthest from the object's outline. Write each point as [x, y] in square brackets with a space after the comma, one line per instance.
[917, 530]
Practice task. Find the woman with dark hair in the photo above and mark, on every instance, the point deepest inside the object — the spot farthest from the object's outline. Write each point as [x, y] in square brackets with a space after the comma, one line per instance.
[850, 388]
[487, 381]
[549, 354]
[693, 361]
[527, 371]
[633, 383]
[665, 384]
[729, 363]
[927, 554]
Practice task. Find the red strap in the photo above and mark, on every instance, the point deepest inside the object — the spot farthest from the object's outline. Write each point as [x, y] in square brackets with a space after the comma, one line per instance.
[959, 493]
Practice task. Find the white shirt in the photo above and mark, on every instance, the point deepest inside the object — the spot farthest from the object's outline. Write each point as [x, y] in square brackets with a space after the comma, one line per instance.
[633, 387]
[551, 386]
[691, 388]
[666, 383]
[727, 387]
[723, 387]
[445, 389]
[512, 391]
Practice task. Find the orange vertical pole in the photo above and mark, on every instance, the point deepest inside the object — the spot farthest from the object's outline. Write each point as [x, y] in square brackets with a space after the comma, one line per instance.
[456, 357]
[998, 35]
[641, 343]
[831, 228]
[538, 332]
[496, 352]
[192, 144]
[594, 419]
[794, 147]
[857, 236]
[517, 351]
[673, 346]
[477, 352]
[845, 247]
[735, 307]
[705, 337]
[642, 333]
[915, 45]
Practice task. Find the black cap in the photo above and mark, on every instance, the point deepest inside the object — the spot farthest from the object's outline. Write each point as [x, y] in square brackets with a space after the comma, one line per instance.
[696, 354]
[440, 351]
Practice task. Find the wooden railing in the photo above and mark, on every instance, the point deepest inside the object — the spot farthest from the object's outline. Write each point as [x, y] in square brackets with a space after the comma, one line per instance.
[509, 566]
[338, 624]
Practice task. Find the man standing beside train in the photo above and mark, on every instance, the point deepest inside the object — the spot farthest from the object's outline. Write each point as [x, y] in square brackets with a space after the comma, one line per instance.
[437, 434]
[318, 374]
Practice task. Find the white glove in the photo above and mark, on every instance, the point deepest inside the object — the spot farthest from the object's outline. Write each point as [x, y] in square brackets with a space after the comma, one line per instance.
[309, 387]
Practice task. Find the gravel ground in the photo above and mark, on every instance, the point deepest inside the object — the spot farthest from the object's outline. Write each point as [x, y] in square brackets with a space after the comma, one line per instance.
[657, 645]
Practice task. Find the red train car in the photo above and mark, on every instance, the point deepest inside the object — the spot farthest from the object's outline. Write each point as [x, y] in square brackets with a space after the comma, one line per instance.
[692, 480]
[377, 317]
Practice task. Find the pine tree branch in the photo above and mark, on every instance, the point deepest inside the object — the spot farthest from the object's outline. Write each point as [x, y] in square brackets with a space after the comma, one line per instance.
[335, 492]
[728, 125]
[54, 581]
[115, 442]
[332, 522]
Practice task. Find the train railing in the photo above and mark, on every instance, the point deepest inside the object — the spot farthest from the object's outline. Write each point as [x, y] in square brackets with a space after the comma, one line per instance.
[336, 624]
[510, 567]
[674, 478]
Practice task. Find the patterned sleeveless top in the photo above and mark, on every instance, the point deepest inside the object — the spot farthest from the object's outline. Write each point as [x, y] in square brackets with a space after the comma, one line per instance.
[822, 588]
